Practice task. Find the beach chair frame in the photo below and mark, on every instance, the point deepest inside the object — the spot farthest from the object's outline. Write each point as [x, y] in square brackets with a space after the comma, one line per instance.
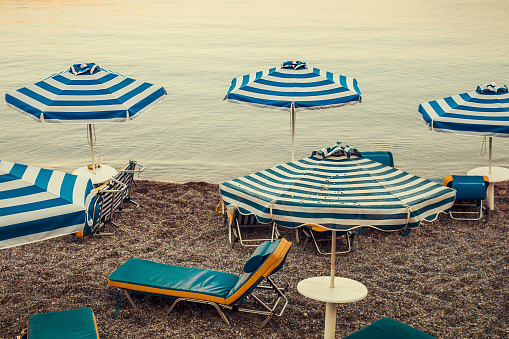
[126, 175]
[470, 194]
[270, 308]
[108, 201]
[310, 235]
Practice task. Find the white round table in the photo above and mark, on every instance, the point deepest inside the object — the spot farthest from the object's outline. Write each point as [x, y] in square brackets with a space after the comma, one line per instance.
[498, 174]
[344, 291]
[101, 175]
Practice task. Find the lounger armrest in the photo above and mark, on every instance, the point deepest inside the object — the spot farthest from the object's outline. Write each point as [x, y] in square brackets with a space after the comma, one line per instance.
[105, 189]
[138, 168]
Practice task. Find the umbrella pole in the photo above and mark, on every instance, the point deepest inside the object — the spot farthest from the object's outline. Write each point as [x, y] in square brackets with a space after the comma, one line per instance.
[491, 189]
[91, 147]
[489, 171]
[333, 260]
[292, 123]
[331, 307]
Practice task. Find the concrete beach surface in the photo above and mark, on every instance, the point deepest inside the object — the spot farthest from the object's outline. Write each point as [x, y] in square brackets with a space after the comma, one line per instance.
[447, 278]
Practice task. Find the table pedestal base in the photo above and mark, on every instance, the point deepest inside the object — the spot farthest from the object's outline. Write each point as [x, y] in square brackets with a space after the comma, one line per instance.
[330, 320]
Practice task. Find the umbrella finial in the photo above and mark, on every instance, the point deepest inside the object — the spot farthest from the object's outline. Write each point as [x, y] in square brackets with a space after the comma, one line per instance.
[295, 65]
[91, 68]
[491, 88]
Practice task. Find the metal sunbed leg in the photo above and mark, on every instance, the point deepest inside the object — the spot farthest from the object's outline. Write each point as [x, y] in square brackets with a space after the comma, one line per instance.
[97, 231]
[130, 299]
[270, 311]
[201, 302]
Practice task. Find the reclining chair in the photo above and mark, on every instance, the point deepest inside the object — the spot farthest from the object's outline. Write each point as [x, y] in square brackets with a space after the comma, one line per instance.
[73, 324]
[126, 176]
[237, 223]
[470, 193]
[387, 328]
[321, 235]
[219, 289]
[111, 197]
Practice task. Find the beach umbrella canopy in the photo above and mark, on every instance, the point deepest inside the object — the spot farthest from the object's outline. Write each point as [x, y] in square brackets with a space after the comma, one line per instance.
[294, 87]
[338, 189]
[88, 94]
[38, 204]
[483, 112]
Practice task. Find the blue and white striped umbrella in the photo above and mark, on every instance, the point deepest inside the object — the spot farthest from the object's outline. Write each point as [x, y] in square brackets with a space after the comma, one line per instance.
[38, 204]
[294, 87]
[338, 189]
[483, 112]
[85, 94]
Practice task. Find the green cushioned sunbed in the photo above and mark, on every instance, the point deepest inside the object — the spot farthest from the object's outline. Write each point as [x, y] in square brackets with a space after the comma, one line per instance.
[387, 328]
[203, 285]
[72, 324]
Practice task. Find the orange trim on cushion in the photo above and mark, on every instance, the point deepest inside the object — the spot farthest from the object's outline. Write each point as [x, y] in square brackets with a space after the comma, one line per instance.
[265, 270]
[95, 322]
[171, 293]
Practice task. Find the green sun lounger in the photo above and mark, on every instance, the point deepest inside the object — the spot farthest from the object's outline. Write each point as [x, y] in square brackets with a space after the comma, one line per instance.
[72, 324]
[219, 289]
[387, 328]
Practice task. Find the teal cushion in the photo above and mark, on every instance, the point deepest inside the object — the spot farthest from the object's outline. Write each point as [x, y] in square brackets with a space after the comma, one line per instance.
[387, 328]
[383, 157]
[469, 187]
[257, 258]
[70, 324]
[259, 255]
[174, 278]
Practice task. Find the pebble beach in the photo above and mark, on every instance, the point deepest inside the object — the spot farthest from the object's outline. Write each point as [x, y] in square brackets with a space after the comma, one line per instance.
[447, 278]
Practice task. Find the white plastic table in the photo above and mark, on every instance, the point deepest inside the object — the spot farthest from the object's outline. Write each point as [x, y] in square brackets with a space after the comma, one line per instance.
[344, 291]
[101, 175]
[498, 174]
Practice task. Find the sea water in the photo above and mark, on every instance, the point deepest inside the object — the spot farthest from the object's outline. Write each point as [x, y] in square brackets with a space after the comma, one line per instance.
[402, 52]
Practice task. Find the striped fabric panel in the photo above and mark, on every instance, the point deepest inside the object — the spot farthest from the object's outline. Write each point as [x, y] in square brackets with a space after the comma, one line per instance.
[306, 88]
[85, 98]
[37, 204]
[473, 113]
[112, 201]
[338, 193]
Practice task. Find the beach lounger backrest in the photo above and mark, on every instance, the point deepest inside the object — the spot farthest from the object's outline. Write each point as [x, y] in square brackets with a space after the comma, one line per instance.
[468, 187]
[383, 157]
[267, 259]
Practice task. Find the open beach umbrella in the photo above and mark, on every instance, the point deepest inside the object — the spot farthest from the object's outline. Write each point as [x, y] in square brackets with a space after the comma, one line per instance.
[294, 87]
[339, 190]
[38, 204]
[483, 112]
[85, 94]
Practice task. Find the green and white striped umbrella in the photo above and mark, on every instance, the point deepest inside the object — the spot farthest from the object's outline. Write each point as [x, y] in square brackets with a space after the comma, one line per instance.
[338, 189]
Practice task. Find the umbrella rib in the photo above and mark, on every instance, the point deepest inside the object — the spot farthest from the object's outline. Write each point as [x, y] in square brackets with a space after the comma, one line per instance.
[402, 202]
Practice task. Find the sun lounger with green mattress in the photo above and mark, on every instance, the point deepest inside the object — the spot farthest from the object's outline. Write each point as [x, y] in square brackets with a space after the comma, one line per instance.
[72, 324]
[387, 328]
[219, 289]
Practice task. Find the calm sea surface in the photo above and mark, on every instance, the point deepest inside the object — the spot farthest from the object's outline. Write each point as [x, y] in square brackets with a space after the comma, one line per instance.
[402, 53]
